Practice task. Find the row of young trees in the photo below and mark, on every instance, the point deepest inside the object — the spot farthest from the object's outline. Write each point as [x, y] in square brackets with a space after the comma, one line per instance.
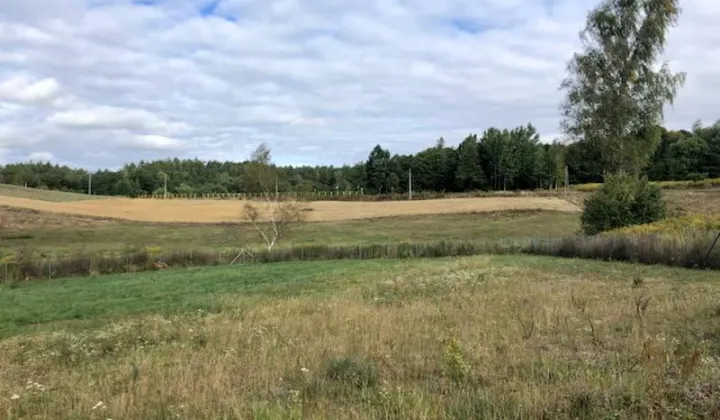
[496, 160]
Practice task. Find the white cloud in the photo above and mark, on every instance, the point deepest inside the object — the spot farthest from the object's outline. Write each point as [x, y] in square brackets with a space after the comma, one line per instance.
[129, 82]
[24, 90]
[151, 142]
[41, 157]
[106, 117]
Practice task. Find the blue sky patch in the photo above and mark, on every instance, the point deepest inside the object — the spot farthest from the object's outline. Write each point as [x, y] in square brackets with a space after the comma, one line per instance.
[208, 9]
[467, 25]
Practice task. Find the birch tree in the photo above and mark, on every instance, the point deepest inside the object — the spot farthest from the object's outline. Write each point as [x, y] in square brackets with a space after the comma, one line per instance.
[616, 88]
[269, 214]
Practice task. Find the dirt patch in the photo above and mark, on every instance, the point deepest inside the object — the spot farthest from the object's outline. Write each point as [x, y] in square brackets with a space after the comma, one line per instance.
[14, 219]
[217, 211]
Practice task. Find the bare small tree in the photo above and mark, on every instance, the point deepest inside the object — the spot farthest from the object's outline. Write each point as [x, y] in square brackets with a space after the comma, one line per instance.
[279, 218]
[271, 216]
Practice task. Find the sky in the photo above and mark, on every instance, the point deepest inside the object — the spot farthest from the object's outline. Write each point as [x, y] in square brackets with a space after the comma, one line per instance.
[98, 83]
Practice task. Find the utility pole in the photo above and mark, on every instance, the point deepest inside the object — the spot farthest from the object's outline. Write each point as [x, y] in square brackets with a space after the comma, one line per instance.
[165, 193]
[89, 183]
[410, 184]
[567, 180]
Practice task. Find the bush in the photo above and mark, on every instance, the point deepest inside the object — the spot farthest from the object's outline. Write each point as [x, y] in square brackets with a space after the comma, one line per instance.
[622, 201]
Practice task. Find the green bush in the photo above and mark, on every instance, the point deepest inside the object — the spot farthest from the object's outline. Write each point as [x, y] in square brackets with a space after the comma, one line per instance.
[623, 200]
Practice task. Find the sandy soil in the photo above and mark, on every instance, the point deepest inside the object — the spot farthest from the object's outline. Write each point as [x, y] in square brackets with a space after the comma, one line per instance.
[210, 211]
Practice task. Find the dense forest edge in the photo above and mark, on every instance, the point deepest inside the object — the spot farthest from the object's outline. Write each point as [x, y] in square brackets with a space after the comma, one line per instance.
[498, 160]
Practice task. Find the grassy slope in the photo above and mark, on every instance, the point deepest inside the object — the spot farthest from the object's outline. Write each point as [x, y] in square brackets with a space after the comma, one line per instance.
[705, 201]
[483, 337]
[114, 235]
[42, 195]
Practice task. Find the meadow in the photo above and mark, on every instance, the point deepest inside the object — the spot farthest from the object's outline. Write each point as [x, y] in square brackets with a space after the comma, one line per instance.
[492, 337]
[481, 337]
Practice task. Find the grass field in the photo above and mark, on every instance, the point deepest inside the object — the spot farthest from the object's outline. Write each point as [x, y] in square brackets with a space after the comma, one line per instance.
[42, 195]
[47, 232]
[484, 337]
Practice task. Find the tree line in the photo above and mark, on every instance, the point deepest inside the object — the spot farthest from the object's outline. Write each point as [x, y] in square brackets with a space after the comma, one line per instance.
[495, 160]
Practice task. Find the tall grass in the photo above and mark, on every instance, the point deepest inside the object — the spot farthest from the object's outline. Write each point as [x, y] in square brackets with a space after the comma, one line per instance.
[688, 250]
[460, 340]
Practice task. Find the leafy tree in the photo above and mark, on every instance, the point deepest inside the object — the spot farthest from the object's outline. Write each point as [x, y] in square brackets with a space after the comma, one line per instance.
[687, 156]
[711, 160]
[554, 165]
[615, 97]
[470, 173]
[493, 144]
[526, 160]
[509, 165]
[259, 174]
[621, 201]
[378, 169]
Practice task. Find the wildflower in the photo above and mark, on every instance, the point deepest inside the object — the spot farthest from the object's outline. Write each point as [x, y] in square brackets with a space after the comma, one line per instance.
[304, 370]
[15, 397]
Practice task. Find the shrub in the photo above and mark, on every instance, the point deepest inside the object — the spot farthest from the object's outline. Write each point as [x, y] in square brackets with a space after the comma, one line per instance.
[622, 201]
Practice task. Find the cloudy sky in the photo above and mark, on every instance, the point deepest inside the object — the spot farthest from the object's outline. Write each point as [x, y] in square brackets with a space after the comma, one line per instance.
[97, 83]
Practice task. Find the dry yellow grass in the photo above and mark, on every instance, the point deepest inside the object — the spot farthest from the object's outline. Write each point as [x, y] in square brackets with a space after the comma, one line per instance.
[464, 340]
[214, 211]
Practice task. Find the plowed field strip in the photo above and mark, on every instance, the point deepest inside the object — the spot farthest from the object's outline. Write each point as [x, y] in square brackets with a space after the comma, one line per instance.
[209, 211]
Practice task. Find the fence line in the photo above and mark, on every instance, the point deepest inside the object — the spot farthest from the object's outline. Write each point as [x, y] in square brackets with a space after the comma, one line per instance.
[247, 195]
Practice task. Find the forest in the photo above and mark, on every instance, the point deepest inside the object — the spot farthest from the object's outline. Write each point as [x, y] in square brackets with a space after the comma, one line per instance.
[496, 160]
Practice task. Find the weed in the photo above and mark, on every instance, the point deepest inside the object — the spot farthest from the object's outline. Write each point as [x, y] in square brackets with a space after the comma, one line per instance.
[582, 405]
[455, 364]
[641, 305]
[690, 364]
[359, 374]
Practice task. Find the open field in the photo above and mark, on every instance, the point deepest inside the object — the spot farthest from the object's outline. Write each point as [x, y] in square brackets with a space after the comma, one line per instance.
[53, 233]
[214, 211]
[42, 195]
[59, 234]
[698, 201]
[484, 337]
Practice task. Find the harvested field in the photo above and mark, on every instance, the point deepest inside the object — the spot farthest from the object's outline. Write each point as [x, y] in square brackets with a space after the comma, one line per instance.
[214, 211]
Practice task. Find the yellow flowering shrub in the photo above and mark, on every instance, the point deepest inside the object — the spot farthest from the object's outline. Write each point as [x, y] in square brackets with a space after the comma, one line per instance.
[694, 222]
